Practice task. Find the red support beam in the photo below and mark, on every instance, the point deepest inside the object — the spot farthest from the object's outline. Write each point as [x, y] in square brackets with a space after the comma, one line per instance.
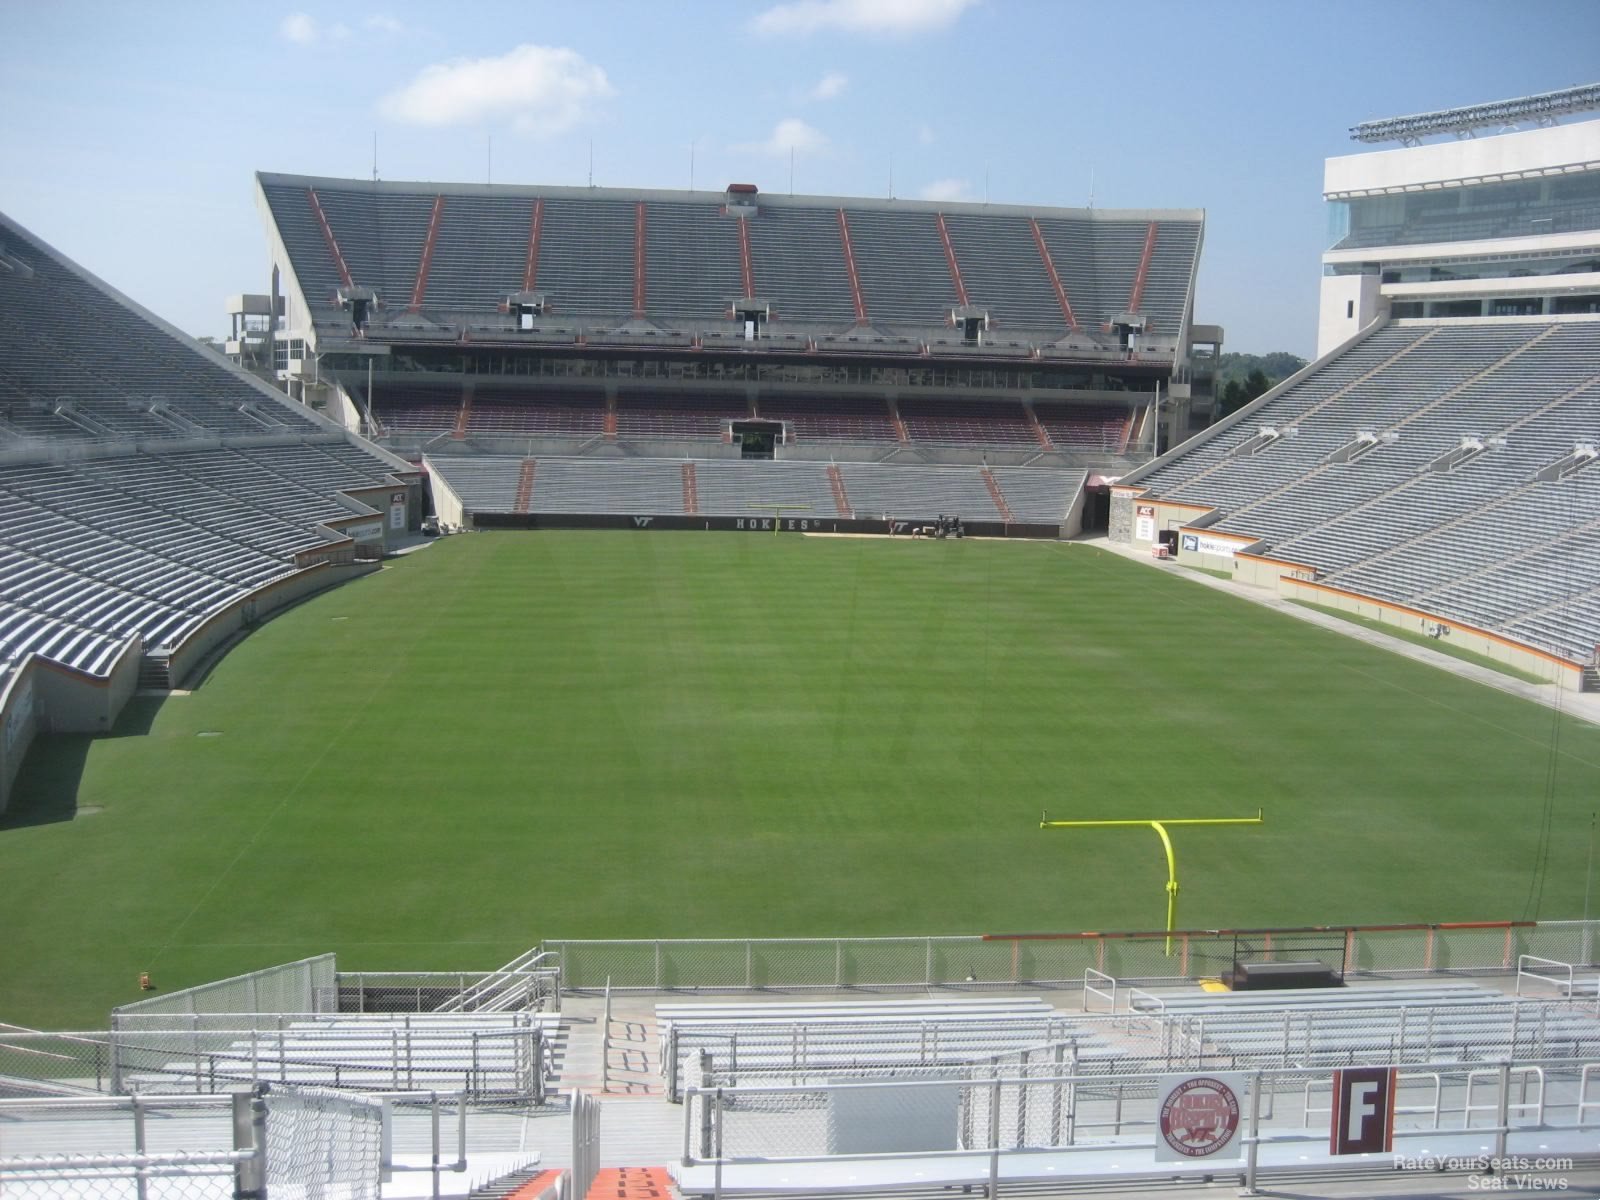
[1050, 270]
[638, 260]
[1144, 268]
[530, 272]
[950, 257]
[327, 235]
[850, 266]
[427, 255]
[745, 262]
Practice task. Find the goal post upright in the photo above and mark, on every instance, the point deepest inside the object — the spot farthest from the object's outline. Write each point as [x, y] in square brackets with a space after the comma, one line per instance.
[1160, 826]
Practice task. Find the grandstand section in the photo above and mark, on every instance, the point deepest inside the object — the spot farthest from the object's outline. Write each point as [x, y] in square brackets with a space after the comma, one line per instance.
[550, 322]
[156, 499]
[832, 497]
[1432, 468]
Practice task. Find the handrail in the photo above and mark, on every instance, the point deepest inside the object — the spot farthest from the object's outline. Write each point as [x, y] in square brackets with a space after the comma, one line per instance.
[1562, 982]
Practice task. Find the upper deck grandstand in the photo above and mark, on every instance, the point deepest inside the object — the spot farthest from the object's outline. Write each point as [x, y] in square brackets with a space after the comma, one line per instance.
[560, 322]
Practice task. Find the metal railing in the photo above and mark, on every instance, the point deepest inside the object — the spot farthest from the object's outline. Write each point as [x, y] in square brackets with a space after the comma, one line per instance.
[1053, 960]
[979, 1125]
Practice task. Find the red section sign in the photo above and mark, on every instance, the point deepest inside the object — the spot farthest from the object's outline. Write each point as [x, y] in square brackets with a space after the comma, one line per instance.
[1363, 1111]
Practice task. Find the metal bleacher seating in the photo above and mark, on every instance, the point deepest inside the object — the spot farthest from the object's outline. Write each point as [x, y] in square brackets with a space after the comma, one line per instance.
[189, 485]
[1396, 1023]
[510, 411]
[967, 423]
[832, 418]
[1408, 468]
[735, 487]
[835, 1040]
[496, 1056]
[673, 418]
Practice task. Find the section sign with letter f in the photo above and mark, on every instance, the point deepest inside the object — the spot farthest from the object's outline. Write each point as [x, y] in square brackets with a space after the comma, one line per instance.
[1363, 1111]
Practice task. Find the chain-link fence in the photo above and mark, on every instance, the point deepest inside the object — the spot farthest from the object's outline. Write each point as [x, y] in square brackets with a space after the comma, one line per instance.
[284, 1144]
[287, 988]
[318, 1144]
[33, 1063]
[530, 990]
[1059, 960]
[179, 1176]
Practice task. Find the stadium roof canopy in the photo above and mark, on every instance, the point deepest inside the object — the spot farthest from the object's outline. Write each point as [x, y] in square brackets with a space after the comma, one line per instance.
[415, 263]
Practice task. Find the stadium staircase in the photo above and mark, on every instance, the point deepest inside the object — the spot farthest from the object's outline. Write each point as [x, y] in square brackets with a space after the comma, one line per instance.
[530, 1183]
[1045, 443]
[950, 260]
[421, 289]
[691, 497]
[1055, 277]
[530, 269]
[1334, 397]
[995, 494]
[856, 295]
[631, 1183]
[609, 421]
[1415, 414]
[525, 484]
[631, 1056]
[903, 437]
[1136, 297]
[465, 415]
[841, 499]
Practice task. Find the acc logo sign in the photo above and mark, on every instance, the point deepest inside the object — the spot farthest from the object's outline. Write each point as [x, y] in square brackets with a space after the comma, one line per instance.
[1197, 1116]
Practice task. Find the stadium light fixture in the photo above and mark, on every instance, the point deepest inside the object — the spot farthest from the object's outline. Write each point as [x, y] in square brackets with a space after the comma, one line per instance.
[1542, 109]
[1166, 841]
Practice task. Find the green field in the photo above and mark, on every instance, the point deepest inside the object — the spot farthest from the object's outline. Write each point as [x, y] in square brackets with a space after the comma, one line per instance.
[508, 737]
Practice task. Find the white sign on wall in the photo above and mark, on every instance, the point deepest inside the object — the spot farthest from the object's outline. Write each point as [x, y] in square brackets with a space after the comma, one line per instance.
[1199, 543]
[397, 516]
[1144, 525]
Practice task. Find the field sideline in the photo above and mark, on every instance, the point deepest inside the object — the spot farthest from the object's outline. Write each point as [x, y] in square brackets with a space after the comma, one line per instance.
[508, 737]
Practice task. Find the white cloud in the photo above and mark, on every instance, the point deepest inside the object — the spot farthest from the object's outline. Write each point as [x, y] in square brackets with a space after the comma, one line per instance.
[544, 90]
[892, 17]
[299, 28]
[829, 87]
[947, 189]
[303, 30]
[791, 133]
[384, 23]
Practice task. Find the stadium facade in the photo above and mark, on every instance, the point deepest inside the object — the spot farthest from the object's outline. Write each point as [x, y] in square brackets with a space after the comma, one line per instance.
[1433, 468]
[582, 353]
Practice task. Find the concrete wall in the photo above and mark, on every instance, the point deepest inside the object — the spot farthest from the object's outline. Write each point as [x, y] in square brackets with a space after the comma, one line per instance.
[447, 505]
[19, 724]
[1349, 304]
[72, 702]
[1549, 667]
[254, 608]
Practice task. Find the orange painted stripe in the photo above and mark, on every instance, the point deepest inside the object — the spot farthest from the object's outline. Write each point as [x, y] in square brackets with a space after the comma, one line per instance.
[530, 269]
[631, 1183]
[850, 266]
[950, 259]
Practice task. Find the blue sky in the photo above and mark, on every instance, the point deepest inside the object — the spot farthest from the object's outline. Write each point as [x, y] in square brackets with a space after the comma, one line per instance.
[130, 131]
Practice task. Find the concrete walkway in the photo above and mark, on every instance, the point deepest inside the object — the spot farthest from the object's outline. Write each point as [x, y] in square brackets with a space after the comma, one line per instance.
[1583, 705]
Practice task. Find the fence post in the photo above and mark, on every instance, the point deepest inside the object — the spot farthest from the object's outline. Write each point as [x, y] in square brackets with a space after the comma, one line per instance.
[433, 1125]
[747, 972]
[705, 1108]
[1502, 1115]
[1255, 1134]
[994, 1137]
[658, 965]
[717, 1191]
[139, 1144]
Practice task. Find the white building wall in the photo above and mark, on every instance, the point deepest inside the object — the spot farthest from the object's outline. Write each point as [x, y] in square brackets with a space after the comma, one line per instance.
[1349, 304]
[1468, 160]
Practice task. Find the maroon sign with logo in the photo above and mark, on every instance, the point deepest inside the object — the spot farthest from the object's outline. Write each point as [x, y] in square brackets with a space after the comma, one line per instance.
[1363, 1111]
[1198, 1117]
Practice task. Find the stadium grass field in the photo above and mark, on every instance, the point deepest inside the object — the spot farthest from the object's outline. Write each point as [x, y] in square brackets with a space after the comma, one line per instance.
[508, 737]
